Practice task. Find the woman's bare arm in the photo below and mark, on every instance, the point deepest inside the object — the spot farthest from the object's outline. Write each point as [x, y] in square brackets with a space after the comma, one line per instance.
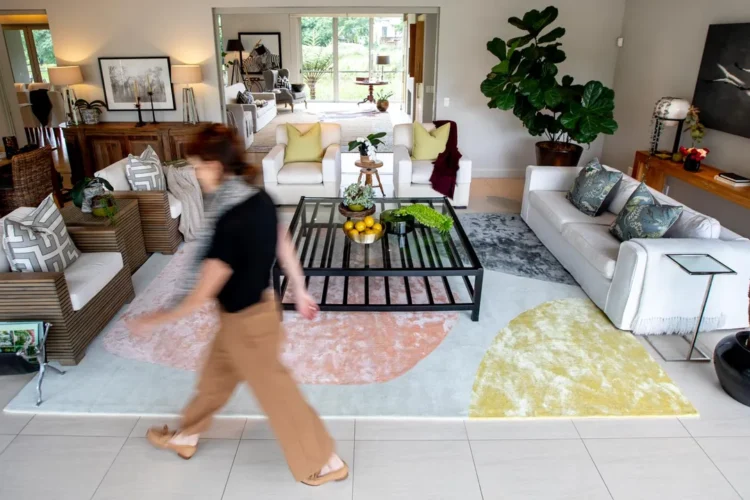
[287, 255]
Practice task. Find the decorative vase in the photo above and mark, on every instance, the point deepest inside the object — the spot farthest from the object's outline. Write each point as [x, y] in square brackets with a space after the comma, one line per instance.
[90, 116]
[732, 364]
[103, 206]
[692, 165]
[382, 105]
[558, 154]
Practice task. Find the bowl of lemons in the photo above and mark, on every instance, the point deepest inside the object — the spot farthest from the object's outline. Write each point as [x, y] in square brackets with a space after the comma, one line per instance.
[365, 231]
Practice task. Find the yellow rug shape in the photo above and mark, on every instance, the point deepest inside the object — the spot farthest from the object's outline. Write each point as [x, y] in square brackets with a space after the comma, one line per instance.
[565, 359]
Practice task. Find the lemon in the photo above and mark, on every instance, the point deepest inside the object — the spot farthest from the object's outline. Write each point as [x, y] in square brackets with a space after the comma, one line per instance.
[377, 227]
[370, 231]
[369, 221]
[360, 226]
[348, 225]
[354, 233]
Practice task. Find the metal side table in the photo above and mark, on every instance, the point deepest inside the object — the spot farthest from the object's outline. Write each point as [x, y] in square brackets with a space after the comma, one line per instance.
[696, 265]
[43, 364]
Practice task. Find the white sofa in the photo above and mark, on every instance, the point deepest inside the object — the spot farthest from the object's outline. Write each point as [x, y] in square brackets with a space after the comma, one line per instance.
[251, 115]
[286, 183]
[411, 178]
[633, 282]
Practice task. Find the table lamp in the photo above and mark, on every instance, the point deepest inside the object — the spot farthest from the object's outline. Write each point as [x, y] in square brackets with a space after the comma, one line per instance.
[382, 61]
[235, 45]
[187, 74]
[668, 112]
[66, 76]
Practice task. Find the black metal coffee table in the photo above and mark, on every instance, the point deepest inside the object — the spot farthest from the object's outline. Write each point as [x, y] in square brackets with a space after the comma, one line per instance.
[421, 271]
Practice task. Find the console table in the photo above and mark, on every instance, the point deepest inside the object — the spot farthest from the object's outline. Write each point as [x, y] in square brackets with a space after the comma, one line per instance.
[95, 147]
[654, 172]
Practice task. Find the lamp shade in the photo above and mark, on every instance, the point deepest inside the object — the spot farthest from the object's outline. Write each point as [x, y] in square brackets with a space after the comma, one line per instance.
[384, 60]
[65, 75]
[186, 73]
[234, 45]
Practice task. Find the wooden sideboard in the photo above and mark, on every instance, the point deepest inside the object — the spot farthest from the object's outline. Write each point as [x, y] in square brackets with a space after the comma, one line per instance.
[95, 147]
[654, 172]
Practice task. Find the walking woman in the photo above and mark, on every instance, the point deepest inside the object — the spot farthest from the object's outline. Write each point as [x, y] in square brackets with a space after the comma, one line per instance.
[240, 249]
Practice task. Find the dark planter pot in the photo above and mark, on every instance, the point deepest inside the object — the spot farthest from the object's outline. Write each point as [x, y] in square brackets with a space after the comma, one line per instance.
[558, 154]
[732, 363]
[692, 165]
[382, 105]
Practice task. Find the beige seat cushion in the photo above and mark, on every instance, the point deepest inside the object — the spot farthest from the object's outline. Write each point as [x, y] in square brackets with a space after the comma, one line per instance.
[421, 171]
[595, 244]
[559, 211]
[88, 275]
[175, 206]
[116, 175]
[302, 172]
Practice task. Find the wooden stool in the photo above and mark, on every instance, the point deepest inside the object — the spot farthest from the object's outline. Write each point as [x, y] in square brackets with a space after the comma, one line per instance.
[368, 169]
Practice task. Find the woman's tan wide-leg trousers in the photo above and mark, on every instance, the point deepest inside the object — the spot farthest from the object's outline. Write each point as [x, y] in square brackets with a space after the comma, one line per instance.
[247, 348]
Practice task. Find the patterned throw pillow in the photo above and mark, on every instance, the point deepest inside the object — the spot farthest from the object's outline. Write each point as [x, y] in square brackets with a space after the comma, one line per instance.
[144, 172]
[644, 217]
[40, 241]
[283, 82]
[245, 97]
[594, 188]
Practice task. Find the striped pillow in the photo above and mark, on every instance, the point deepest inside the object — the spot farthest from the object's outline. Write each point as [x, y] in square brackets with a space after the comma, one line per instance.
[144, 172]
[40, 241]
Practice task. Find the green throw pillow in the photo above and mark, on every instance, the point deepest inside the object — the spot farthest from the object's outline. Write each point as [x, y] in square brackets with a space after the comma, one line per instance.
[644, 217]
[594, 188]
[428, 145]
[303, 146]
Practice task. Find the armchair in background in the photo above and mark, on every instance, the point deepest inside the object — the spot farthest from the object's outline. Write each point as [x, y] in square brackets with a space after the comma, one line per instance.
[283, 96]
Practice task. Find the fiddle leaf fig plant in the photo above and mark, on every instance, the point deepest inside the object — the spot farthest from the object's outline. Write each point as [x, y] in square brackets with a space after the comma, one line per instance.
[525, 81]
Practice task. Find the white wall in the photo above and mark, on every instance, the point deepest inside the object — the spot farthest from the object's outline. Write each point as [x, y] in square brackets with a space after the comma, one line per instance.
[662, 54]
[184, 31]
[232, 24]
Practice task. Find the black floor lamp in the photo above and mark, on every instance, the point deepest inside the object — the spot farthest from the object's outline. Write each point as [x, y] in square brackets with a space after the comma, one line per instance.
[235, 45]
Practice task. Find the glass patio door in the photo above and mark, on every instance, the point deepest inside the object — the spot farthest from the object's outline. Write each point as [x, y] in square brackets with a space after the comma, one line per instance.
[354, 57]
[30, 52]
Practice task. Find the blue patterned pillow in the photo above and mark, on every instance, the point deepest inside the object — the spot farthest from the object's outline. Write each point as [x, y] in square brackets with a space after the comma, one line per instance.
[594, 188]
[644, 217]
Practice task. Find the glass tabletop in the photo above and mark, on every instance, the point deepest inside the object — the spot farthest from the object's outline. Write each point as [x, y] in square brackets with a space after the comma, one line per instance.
[700, 264]
[317, 232]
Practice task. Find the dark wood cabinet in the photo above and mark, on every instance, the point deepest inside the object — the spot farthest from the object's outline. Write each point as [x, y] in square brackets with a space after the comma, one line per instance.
[95, 147]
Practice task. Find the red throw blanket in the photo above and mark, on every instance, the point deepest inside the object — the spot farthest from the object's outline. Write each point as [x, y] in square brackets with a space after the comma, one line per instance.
[444, 174]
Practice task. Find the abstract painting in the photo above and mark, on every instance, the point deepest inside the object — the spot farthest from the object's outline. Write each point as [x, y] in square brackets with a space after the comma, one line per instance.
[263, 51]
[722, 92]
[124, 78]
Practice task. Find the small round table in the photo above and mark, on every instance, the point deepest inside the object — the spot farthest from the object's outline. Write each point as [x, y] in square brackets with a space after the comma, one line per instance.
[368, 169]
[370, 97]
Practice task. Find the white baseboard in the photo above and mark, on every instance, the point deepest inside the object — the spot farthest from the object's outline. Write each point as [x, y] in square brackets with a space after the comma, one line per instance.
[493, 173]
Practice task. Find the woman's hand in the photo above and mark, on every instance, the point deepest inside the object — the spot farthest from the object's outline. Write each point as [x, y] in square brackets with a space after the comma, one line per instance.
[305, 304]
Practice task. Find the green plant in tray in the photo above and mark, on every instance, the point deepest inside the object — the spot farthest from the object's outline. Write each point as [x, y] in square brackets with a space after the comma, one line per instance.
[427, 216]
[358, 197]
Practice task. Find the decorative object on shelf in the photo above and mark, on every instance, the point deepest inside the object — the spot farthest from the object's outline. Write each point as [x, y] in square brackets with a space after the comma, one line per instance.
[67, 76]
[367, 146]
[125, 77]
[86, 189]
[525, 81]
[723, 87]
[427, 216]
[692, 158]
[732, 179]
[397, 224]
[383, 61]
[90, 111]
[365, 231]
[358, 197]
[234, 51]
[104, 205]
[668, 112]
[382, 102]
[140, 122]
[732, 364]
[265, 52]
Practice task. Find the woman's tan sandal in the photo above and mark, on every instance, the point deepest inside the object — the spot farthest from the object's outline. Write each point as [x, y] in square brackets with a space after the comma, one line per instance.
[160, 438]
[336, 475]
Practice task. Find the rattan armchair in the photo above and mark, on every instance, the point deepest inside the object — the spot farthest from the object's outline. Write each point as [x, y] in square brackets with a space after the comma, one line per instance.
[34, 178]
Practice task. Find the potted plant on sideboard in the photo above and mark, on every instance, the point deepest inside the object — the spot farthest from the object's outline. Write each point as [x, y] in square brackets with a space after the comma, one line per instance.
[525, 81]
[90, 111]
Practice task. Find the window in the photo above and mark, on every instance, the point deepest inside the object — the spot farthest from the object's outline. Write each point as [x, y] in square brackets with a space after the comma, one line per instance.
[30, 51]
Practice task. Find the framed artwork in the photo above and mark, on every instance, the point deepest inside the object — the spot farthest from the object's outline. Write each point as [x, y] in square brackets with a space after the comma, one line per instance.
[123, 77]
[722, 92]
[262, 51]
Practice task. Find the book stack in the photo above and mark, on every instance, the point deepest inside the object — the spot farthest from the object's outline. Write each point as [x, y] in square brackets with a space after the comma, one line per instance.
[731, 179]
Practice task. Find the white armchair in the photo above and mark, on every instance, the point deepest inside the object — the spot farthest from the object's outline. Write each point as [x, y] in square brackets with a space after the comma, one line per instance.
[286, 183]
[411, 178]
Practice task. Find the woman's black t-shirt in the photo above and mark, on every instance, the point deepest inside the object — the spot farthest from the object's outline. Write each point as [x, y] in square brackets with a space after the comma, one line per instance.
[245, 239]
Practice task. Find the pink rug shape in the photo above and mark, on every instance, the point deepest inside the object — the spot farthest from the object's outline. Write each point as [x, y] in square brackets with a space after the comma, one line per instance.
[335, 348]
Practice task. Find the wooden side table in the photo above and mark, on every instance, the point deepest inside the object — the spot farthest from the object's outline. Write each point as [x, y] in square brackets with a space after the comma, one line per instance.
[98, 234]
[368, 169]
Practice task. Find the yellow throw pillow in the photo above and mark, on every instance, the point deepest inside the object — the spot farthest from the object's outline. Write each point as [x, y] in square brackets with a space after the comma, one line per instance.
[303, 147]
[428, 145]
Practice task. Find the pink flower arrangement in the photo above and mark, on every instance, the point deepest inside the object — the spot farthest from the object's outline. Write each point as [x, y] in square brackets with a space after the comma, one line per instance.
[696, 154]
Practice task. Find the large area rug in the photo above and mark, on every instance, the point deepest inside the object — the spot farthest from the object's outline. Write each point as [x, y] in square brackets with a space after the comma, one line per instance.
[556, 354]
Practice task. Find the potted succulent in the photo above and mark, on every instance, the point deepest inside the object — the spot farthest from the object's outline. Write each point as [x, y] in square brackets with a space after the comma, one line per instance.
[90, 111]
[525, 81]
[358, 197]
[367, 146]
[382, 100]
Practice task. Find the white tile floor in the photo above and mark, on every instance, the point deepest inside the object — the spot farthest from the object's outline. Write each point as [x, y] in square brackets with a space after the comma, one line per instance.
[107, 458]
